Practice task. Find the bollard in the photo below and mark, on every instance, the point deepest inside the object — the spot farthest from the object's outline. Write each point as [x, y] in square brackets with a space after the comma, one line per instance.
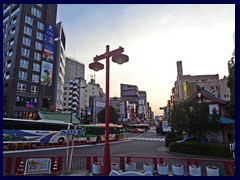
[19, 167]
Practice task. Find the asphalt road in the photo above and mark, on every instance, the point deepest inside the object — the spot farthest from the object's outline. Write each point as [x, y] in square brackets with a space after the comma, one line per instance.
[137, 144]
[143, 144]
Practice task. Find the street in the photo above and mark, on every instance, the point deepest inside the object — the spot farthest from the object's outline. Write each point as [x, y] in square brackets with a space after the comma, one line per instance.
[135, 144]
[143, 144]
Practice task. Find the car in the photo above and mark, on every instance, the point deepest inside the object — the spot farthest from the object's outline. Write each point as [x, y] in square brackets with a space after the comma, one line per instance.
[18, 142]
[200, 140]
[187, 140]
[136, 130]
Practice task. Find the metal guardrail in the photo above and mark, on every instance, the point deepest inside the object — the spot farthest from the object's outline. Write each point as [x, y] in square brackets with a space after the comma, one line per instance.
[15, 166]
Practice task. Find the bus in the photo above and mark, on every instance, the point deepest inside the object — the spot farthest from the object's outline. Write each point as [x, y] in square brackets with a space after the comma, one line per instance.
[95, 133]
[145, 127]
[45, 131]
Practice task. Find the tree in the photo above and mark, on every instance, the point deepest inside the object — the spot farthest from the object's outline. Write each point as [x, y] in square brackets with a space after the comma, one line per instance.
[191, 117]
[215, 124]
[113, 116]
[231, 86]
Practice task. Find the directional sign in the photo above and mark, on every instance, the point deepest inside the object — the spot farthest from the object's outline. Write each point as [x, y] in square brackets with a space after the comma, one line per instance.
[71, 132]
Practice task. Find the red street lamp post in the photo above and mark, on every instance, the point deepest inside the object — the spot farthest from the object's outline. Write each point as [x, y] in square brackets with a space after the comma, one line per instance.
[119, 58]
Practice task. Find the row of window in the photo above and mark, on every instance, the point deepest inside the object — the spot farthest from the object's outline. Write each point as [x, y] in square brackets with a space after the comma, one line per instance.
[23, 76]
[37, 56]
[22, 88]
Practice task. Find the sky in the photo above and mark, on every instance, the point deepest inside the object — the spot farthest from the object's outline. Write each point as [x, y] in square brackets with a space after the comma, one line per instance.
[155, 37]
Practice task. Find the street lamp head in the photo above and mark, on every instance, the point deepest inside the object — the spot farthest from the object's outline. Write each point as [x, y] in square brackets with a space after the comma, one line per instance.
[96, 66]
[120, 59]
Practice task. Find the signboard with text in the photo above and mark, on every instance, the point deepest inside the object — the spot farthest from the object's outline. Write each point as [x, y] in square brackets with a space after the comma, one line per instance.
[38, 166]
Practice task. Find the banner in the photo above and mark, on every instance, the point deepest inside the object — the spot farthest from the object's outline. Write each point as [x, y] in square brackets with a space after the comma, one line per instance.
[46, 73]
[48, 43]
[185, 90]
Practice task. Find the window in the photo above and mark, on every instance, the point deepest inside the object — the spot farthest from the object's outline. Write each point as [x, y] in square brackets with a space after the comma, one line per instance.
[40, 25]
[24, 64]
[38, 46]
[25, 52]
[15, 12]
[10, 42]
[26, 41]
[9, 52]
[36, 67]
[7, 64]
[37, 56]
[36, 12]
[27, 30]
[22, 75]
[6, 76]
[34, 89]
[13, 21]
[39, 36]
[12, 31]
[28, 20]
[35, 78]
[21, 87]
[5, 19]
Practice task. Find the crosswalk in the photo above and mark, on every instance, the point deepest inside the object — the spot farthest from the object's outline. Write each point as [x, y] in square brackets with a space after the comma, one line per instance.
[146, 139]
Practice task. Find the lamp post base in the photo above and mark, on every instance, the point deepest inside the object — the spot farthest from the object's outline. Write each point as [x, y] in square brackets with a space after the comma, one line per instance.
[106, 160]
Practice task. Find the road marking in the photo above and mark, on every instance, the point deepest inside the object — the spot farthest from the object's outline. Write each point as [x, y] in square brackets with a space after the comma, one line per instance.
[146, 139]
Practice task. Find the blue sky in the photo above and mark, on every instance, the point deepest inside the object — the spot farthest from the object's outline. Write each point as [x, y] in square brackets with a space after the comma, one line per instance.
[155, 37]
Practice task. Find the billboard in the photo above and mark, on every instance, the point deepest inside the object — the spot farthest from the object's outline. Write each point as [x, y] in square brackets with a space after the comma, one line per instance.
[48, 43]
[185, 90]
[46, 73]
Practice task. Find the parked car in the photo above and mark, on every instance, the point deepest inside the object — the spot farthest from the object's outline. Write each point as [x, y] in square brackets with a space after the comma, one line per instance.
[136, 130]
[187, 140]
[201, 140]
[18, 142]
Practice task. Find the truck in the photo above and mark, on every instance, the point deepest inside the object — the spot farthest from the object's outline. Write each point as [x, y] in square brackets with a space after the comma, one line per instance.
[163, 127]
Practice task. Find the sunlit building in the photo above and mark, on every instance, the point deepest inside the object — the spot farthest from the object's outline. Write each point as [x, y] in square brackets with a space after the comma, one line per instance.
[29, 58]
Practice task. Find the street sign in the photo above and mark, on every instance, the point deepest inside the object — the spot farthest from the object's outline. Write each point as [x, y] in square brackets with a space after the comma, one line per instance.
[71, 132]
[37, 166]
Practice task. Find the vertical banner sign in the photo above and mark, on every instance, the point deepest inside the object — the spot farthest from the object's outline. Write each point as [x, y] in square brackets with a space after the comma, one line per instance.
[185, 90]
[46, 73]
[48, 55]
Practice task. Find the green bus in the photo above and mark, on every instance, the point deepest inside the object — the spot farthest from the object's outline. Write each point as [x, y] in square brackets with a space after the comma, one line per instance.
[144, 127]
[95, 133]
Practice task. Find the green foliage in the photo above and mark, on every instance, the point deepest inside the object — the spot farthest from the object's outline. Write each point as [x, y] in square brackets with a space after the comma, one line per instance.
[192, 117]
[215, 124]
[113, 115]
[205, 149]
[172, 137]
[231, 85]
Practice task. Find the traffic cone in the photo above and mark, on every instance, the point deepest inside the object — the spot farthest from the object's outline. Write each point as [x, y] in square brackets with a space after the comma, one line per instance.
[20, 170]
[55, 168]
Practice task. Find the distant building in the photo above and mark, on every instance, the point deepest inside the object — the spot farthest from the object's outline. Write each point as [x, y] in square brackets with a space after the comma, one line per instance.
[185, 85]
[142, 110]
[130, 94]
[74, 69]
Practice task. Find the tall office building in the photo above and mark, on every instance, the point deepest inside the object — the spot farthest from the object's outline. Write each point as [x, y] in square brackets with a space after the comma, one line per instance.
[74, 69]
[29, 58]
[59, 67]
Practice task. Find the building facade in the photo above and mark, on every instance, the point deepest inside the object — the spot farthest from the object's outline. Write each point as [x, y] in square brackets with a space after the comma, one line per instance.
[73, 69]
[28, 58]
[142, 110]
[185, 85]
[130, 94]
[59, 71]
